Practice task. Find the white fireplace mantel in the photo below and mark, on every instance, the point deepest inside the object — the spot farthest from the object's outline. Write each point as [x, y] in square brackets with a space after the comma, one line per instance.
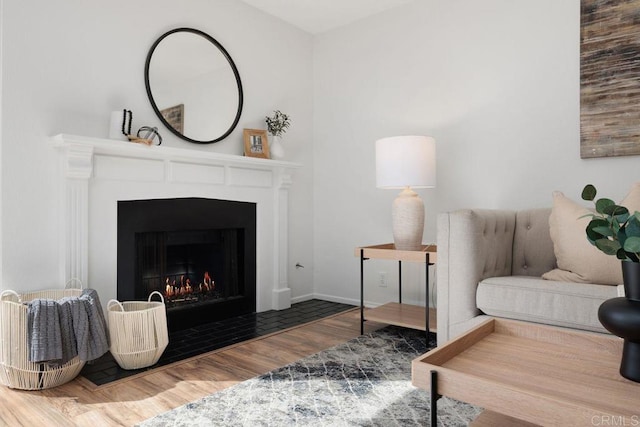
[97, 173]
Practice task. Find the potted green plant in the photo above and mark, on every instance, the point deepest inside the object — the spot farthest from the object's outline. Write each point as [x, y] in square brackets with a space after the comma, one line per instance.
[613, 229]
[277, 125]
[616, 231]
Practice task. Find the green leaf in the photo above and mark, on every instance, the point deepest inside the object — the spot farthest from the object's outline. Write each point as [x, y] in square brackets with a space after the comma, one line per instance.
[602, 204]
[589, 215]
[621, 236]
[615, 225]
[609, 247]
[589, 192]
[604, 231]
[632, 244]
[591, 229]
[632, 228]
[621, 254]
[611, 209]
[621, 219]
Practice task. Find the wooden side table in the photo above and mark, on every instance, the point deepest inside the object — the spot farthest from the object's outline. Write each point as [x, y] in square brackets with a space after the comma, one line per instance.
[406, 315]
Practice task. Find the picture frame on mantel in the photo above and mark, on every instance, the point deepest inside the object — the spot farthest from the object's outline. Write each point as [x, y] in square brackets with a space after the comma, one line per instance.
[609, 79]
[256, 143]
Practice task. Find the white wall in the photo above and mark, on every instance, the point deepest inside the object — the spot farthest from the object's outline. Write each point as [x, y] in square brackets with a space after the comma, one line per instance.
[495, 82]
[67, 63]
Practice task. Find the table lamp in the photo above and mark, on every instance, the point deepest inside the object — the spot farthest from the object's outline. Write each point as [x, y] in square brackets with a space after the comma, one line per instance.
[406, 162]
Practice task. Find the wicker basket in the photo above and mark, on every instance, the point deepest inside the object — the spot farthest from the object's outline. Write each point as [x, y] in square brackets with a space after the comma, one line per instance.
[138, 331]
[16, 371]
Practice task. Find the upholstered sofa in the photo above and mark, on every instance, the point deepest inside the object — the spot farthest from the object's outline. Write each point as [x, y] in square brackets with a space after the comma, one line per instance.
[491, 262]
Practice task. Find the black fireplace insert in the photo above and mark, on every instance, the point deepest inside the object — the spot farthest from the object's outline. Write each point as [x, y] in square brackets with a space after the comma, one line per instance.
[200, 254]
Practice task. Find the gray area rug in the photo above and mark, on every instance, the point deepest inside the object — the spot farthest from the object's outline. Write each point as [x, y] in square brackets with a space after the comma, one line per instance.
[363, 382]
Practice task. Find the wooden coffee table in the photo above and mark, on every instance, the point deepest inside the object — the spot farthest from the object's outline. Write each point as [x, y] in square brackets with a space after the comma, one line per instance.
[535, 373]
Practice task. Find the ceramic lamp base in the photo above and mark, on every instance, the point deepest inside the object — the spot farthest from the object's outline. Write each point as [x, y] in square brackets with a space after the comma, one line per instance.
[408, 220]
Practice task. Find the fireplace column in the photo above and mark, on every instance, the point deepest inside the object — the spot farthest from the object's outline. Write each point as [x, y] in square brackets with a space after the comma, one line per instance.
[281, 291]
[74, 227]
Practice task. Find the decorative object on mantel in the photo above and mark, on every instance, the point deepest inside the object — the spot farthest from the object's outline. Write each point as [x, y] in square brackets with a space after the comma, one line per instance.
[120, 129]
[149, 134]
[405, 162]
[255, 143]
[277, 125]
[609, 76]
[616, 231]
[120, 122]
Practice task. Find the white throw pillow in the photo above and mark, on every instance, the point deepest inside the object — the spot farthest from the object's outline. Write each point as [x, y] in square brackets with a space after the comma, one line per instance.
[578, 260]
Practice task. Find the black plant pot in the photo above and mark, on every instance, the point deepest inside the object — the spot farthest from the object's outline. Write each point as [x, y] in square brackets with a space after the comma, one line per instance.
[631, 279]
[621, 317]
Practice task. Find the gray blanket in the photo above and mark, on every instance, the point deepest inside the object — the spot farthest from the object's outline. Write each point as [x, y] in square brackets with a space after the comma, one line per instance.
[60, 330]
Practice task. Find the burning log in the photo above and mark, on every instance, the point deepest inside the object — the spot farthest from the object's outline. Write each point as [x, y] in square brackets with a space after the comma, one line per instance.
[168, 290]
[180, 289]
[208, 282]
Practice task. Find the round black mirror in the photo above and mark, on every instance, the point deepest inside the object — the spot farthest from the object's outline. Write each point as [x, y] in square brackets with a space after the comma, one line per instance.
[193, 85]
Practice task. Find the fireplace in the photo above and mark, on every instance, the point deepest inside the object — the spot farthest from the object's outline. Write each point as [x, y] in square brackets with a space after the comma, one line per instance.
[97, 174]
[200, 254]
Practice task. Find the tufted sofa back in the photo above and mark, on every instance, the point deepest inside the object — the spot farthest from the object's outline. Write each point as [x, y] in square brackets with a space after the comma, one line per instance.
[493, 236]
[532, 245]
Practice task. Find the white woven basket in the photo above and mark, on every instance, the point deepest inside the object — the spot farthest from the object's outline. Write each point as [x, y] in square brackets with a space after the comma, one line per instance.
[138, 331]
[16, 371]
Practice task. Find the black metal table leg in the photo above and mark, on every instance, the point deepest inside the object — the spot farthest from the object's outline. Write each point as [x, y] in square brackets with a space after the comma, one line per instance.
[426, 261]
[361, 291]
[399, 282]
[434, 396]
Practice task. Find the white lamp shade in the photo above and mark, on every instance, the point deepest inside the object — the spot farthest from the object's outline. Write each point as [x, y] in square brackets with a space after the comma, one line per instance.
[406, 161]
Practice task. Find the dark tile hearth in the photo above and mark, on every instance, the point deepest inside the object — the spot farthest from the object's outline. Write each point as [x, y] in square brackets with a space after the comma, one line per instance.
[215, 335]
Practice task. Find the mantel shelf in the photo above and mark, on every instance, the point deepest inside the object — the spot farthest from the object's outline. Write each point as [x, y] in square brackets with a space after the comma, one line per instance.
[136, 150]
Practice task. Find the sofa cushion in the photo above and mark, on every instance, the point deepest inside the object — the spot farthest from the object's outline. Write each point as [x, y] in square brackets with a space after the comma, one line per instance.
[532, 299]
[578, 260]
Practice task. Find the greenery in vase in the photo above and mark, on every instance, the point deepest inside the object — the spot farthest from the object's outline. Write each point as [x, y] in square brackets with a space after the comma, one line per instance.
[278, 123]
[613, 229]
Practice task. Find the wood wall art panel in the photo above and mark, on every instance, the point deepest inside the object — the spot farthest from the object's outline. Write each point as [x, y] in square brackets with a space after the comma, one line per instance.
[609, 78]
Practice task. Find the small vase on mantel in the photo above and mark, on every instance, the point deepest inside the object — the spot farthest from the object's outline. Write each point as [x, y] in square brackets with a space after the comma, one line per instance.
[276, 126]
[275, 147]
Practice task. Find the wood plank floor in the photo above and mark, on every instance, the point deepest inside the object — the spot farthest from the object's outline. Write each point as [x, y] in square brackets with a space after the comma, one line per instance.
[129, 401]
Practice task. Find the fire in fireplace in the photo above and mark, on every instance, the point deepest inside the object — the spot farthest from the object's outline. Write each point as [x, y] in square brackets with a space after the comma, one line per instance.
[199, 253]
[183, 292]
[182, 265]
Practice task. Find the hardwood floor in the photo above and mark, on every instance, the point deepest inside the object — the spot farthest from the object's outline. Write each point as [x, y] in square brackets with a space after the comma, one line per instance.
[132, 400]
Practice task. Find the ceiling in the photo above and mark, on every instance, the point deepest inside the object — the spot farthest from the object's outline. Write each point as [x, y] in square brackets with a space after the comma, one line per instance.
[318, 16]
